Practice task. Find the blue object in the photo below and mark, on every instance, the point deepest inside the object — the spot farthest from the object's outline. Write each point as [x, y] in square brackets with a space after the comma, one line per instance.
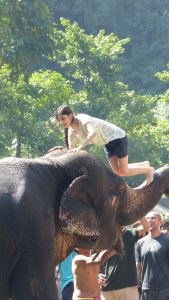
[65, 270]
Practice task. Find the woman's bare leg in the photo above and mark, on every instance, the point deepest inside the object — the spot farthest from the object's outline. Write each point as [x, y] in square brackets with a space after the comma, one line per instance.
[121, 167]
[114, 164]
[139, 164]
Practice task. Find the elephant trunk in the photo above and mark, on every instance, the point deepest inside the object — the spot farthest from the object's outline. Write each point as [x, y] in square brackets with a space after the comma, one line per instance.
[139, 201]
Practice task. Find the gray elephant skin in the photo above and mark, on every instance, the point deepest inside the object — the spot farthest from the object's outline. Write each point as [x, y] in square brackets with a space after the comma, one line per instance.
[50, 205]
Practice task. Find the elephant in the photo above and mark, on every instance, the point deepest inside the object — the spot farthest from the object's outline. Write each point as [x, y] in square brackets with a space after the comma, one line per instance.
[52, 204]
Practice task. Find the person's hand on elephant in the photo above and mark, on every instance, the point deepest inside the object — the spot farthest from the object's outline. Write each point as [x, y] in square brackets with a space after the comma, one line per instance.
[55, 148]
[75, 150]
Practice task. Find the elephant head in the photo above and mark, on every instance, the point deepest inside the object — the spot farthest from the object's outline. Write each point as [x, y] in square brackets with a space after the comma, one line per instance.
[89, 203]
[82, 212]
[97, 201]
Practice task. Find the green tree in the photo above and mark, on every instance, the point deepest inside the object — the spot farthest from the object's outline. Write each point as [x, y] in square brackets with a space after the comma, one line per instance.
[25, 34]
[145, 22]
[25, 111]
[92, 63]
[26, 28]
[162, 113]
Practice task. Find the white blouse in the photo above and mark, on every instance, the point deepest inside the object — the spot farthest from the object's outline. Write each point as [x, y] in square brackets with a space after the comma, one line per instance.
[105, 131]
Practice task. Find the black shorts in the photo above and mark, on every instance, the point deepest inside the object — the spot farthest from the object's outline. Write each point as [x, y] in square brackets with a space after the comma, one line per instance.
[67, 292]
[118, 147]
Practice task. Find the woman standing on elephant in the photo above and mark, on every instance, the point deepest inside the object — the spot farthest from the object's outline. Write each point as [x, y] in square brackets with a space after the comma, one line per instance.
[89, 130]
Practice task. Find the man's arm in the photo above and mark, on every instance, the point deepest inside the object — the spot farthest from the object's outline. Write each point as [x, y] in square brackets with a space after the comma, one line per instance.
[80, 260]
[143, 227]
[138, 268]
[102, 256]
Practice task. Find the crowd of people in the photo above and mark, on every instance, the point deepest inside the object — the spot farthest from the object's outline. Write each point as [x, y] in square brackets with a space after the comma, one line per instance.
[143, 271]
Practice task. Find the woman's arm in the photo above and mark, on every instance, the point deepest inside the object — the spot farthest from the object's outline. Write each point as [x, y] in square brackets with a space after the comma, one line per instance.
[55, 148]
[138, 268]
[90, 136]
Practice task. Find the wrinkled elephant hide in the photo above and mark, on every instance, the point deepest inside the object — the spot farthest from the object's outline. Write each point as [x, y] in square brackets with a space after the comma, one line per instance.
[50, 205]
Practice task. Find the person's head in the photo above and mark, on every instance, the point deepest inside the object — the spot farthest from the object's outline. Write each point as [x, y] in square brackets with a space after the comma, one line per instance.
[165, 226]
[65, 116]
[154, 220]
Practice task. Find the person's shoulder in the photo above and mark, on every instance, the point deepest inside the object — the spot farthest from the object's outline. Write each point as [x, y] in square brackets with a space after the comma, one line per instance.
[129, 232]
[79, 257]
[73, 254]
[82, 116]
[81, 261]
[143, 240]
[165, 237]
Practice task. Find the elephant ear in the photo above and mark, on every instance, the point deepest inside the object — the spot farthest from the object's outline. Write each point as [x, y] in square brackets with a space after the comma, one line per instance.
[78, 211]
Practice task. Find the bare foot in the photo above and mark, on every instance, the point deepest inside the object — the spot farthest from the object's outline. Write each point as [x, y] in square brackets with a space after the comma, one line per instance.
[150, 175]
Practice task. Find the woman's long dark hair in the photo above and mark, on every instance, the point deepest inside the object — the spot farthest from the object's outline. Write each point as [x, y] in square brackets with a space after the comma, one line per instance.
[64, 110]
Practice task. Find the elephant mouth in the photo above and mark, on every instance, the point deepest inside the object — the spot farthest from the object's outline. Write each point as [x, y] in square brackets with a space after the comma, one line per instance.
[94, 238]
[87, 241]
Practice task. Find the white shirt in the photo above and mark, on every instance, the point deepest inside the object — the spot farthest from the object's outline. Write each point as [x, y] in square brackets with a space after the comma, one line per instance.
[105, 131]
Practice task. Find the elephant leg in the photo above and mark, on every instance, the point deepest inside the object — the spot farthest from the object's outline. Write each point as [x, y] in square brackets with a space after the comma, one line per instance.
[24, 286]
[51, 290]
[33, 277]
[27, 285]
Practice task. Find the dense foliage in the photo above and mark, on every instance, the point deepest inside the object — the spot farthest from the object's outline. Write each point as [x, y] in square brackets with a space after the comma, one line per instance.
[102, 59]
[145, 22]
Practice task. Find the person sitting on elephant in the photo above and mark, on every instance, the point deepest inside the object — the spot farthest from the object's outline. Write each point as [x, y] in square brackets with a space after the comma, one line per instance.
[89, 130]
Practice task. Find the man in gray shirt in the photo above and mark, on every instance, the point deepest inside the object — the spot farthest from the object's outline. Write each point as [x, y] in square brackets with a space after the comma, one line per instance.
[152, 261]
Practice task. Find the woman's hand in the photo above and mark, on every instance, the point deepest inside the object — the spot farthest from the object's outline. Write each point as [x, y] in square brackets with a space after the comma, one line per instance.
[55, 148]
[75, 150]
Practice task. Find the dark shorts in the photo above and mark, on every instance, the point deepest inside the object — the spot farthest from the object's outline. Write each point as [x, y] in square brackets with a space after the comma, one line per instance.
[67, 292]
[118, 147]
[155, 294]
